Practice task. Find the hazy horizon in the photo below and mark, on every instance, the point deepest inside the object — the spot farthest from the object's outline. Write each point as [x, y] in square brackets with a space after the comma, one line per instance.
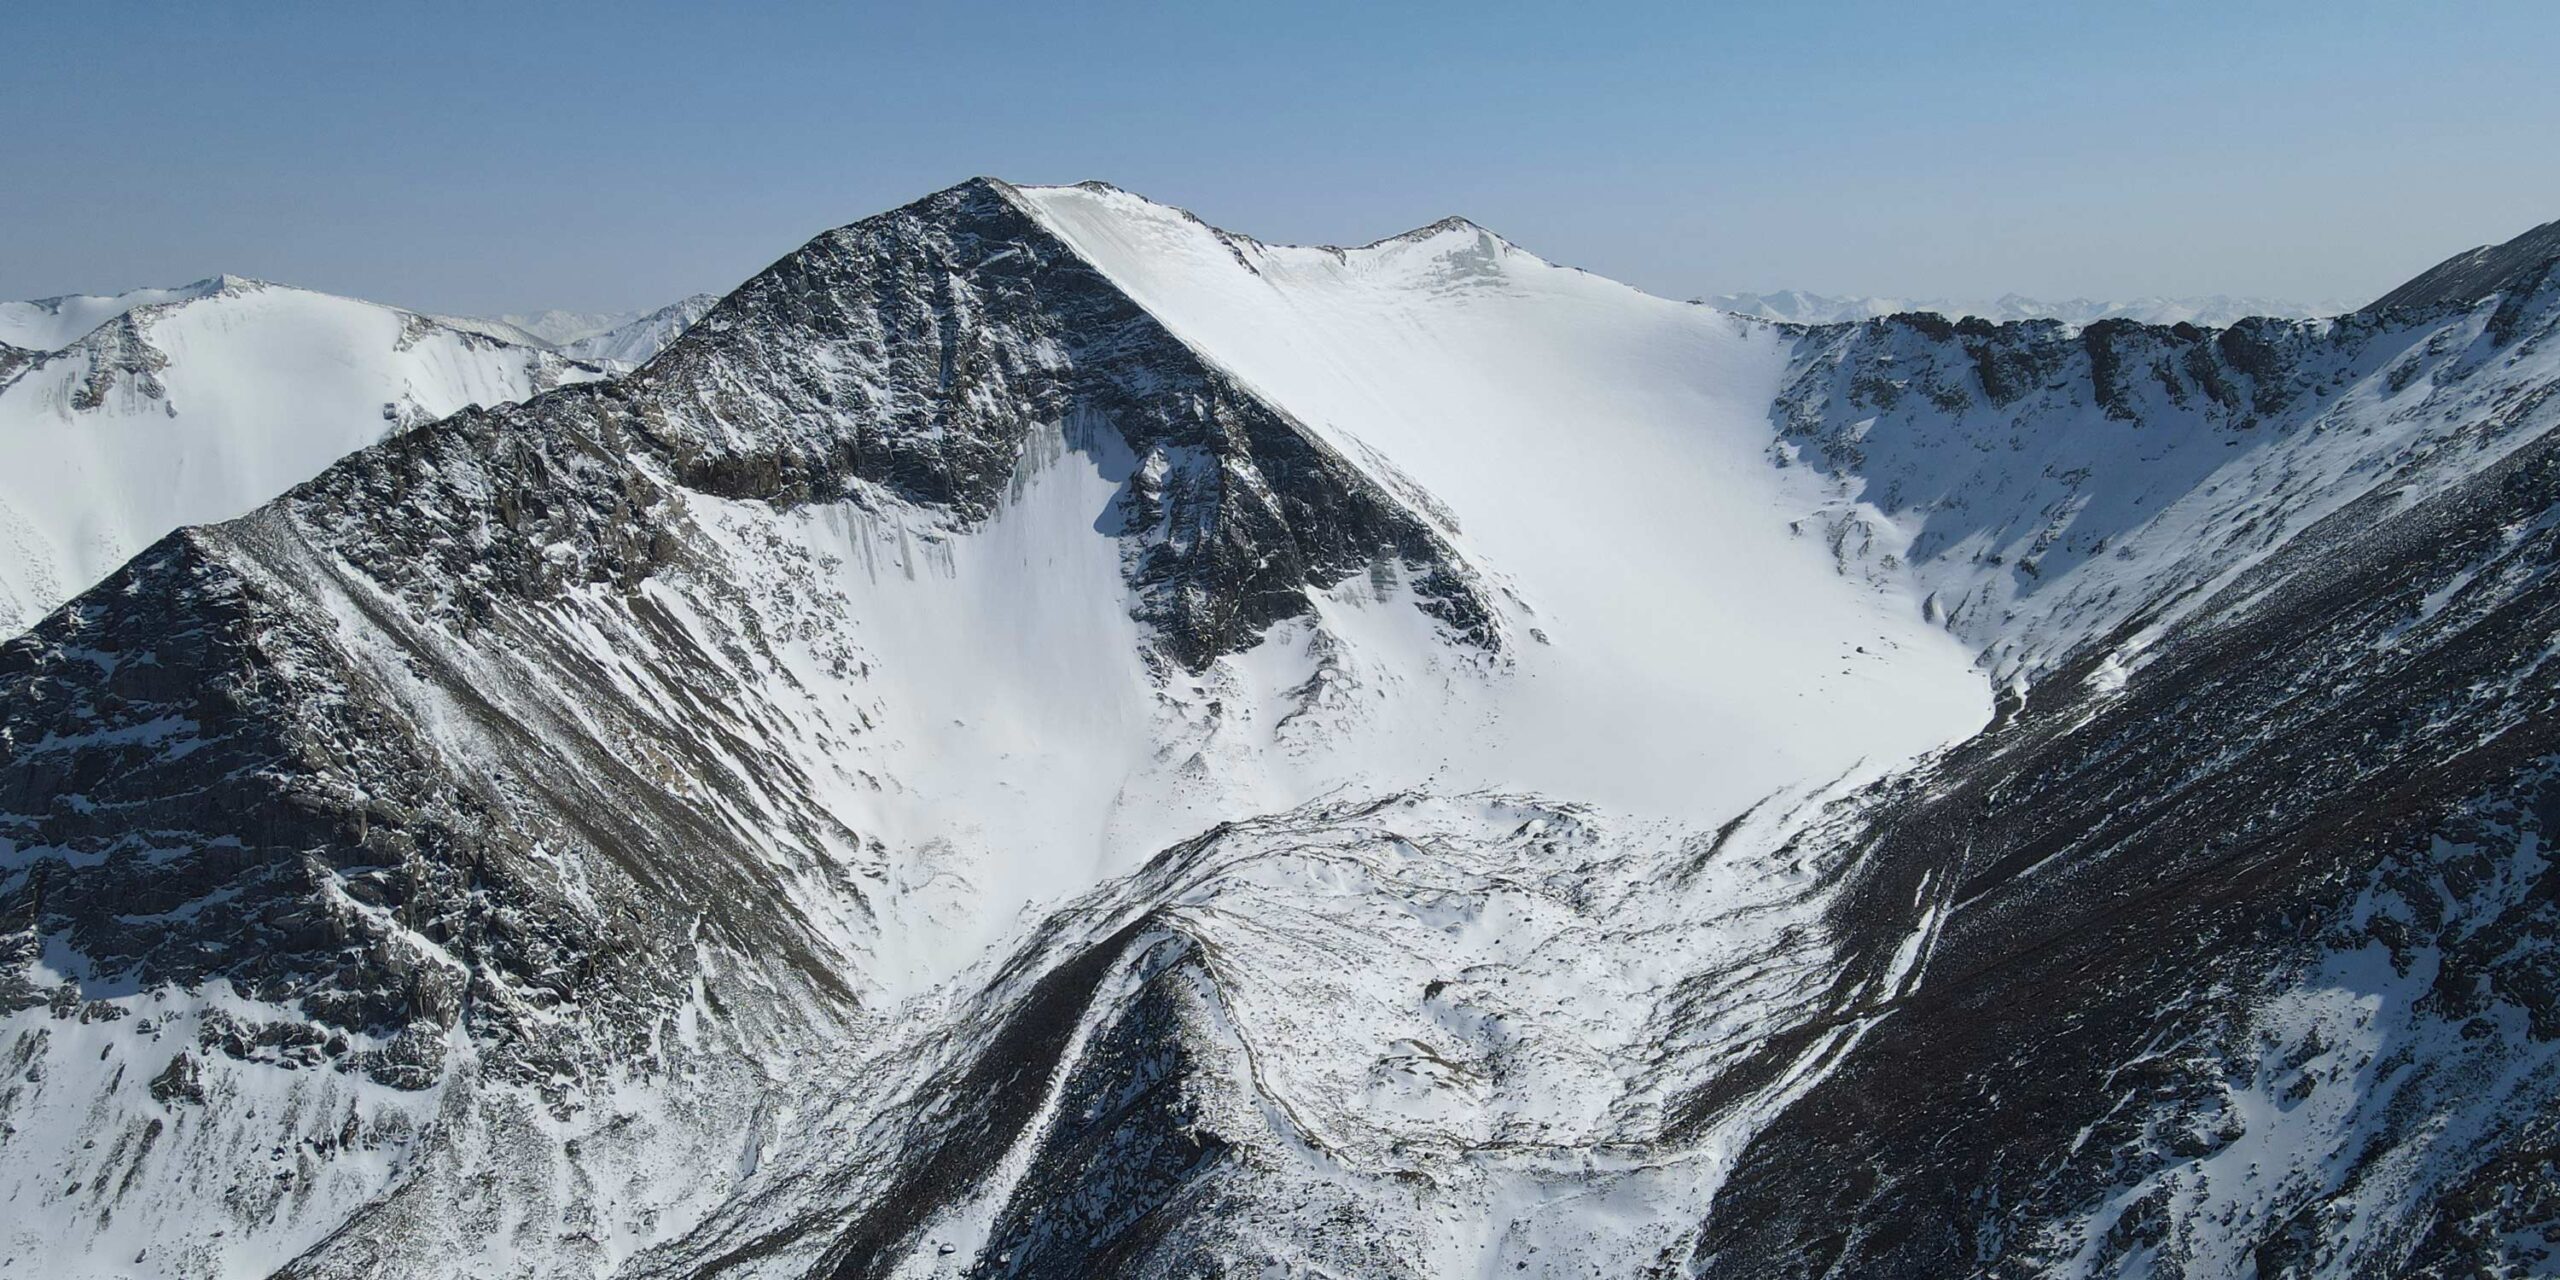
[476, 159]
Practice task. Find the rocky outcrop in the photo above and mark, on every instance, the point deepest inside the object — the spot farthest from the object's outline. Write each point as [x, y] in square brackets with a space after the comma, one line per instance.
[2246, 934]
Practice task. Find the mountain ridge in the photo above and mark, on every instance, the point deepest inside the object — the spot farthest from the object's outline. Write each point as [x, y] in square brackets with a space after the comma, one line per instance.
[984, 753]
[203, 404]
[1794, 306]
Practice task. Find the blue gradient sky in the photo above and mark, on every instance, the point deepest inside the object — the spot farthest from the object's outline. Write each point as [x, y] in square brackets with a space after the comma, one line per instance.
[469, 157]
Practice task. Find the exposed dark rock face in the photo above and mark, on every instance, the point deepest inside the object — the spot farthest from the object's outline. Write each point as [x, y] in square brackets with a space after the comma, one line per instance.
[2046, 487]
[1113, 1108]
[2325, 787]
[2514, 268]
[119, 357]
[1127, 1141]
[208, 693]
[2128, 369]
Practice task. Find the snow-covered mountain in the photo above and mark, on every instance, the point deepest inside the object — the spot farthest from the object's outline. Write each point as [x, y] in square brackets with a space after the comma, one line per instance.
[634, 340]
[1041, 737]
[559, 328]
[619, 339]
[1797, 307]
[181, 406]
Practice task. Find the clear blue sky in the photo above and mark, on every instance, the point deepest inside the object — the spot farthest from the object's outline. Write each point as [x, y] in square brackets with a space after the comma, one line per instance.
[468, 157]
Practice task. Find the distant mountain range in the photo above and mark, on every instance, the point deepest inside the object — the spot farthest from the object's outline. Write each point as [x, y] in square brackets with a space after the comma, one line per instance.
[618, 337]
[2217, 311]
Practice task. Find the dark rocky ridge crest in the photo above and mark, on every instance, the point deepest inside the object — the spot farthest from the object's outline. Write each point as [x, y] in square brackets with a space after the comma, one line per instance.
[2519, 265]
[482, 737]
[2131, 876]
[916, 351]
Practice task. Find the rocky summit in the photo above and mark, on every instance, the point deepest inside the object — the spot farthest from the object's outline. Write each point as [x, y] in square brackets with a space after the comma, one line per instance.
[1041, 737]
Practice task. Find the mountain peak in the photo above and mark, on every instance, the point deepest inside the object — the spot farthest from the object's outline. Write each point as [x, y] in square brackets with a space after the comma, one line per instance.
[1453, 225]
[1119, 201]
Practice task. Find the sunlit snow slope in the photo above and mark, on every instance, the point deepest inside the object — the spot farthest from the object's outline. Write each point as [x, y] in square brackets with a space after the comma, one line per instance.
[1601, 452]
[191, 405]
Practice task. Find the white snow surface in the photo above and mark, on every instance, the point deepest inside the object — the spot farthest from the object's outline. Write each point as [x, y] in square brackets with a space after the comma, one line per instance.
[2032, 532]
[201, 405]
[1598, 451]
[559, 327]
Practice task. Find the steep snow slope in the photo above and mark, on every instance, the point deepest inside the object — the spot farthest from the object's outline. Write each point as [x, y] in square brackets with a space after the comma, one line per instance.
[1600, 452]
[1794, 306]
[2245, 969]
[201, 404]
[1357, 1040]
